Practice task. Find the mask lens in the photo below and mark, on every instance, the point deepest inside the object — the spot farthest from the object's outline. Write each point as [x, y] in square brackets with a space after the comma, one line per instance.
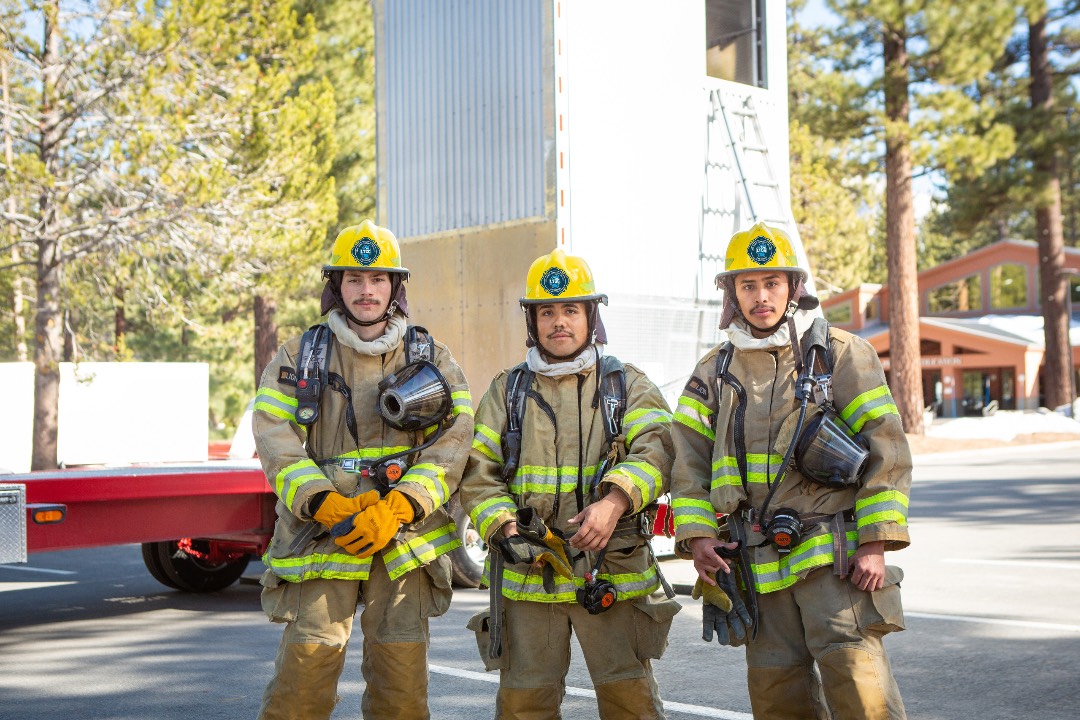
[415, 397]
[827, 454]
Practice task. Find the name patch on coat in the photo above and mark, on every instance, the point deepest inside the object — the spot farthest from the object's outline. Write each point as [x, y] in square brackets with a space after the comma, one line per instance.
[697, 387]
[286, 376]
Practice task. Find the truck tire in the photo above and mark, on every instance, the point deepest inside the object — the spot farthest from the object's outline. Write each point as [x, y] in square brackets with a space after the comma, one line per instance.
[181, 571]
[153, 564]
[467, 561]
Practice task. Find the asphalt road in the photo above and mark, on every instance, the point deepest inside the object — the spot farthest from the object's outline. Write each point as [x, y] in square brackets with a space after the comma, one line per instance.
[990, 594]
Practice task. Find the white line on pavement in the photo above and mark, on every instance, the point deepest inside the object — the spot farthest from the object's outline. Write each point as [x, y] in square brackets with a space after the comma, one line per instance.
[37, 569]
[698, 710]
[996, 621]
[12, 586]
[1017, 563]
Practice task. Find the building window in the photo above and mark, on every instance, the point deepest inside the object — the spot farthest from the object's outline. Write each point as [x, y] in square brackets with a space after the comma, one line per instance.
[960, 296]
[873, 310]
[1008, 286]
[839, 314]
[735, 41]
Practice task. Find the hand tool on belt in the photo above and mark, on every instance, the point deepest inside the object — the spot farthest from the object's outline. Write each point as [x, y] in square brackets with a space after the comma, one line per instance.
[535, 542]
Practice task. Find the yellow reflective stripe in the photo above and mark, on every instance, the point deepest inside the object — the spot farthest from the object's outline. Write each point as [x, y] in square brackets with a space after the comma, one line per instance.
[488, 442]
[292, 477]
[370, 453]
[421, 550]
[883, 507]
[486, 512]
[813, 553]
[762, 467]
[462, 402]
[335, 566]
[725, 473]
[276, 404]
[637, 420]
[432, 478]
[548, 480]
[645, 477]
[868, 406]
[694, 513]
[695, 416]
[530, 586]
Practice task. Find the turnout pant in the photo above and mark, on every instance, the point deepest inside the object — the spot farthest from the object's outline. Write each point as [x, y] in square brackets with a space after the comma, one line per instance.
[619, 646]
[824, 618]
[319, 620]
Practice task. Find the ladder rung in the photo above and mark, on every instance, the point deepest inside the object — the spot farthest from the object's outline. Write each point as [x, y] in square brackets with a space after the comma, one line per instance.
[755, 148]
[763, 184]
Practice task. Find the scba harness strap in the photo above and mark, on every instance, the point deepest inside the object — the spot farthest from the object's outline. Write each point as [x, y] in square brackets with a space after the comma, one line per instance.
[313, 371]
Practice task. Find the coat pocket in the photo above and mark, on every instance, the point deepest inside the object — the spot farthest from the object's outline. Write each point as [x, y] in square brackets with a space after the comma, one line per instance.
[480, 624]
[881, 612]
[652, 622]
[280, 599]
[436, 596]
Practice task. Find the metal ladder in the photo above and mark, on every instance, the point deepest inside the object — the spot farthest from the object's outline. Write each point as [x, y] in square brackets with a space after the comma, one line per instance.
[737, 158]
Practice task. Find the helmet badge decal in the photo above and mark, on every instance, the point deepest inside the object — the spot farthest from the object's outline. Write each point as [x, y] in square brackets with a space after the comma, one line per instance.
[555, 281]
[761, 250]
[365, 251]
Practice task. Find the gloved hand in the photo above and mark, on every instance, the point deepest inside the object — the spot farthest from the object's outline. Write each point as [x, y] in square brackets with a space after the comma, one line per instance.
[722, 611]
[368, 532]
[522, 549]
[334, 507]
[551, 549]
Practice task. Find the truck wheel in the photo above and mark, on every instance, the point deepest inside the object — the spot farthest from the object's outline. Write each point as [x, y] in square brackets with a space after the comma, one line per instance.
[188, 573]
[468, 560]
[153, 564]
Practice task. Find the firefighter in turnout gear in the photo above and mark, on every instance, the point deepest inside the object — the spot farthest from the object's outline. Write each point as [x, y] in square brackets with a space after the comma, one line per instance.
[362, 469]
[790, 430]
[571, 451]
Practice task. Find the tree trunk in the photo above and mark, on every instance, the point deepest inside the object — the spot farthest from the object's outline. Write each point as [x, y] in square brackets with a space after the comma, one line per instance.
[47, 325]
[19, 322]
[905, 368]
[119, 323]
[1056, 378]
[266, 342]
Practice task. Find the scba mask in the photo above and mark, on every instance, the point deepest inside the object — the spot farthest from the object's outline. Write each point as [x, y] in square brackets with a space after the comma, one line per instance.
[825, 451]
[415, 397]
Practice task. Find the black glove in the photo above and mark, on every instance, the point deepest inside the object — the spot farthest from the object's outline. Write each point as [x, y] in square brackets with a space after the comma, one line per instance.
[723, 611]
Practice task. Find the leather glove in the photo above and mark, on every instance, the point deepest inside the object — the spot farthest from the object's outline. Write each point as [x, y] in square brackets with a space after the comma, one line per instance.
[551, 548]
[521, 549]
[368, 531]
[722, 611]
[334, 507]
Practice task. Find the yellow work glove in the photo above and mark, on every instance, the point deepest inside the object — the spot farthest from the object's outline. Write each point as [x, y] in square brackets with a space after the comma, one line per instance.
[722, 611]
[335, 507]
[368, 532]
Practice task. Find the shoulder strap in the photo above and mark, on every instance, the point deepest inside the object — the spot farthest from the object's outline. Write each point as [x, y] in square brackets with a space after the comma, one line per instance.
[723, 362]
[312, 372]
[517, 385]
[818, 351]
[612, 397]
[419, 344]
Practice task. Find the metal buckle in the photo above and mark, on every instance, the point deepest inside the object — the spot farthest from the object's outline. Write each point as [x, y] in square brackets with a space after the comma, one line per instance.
[352, 465]
[646, 525]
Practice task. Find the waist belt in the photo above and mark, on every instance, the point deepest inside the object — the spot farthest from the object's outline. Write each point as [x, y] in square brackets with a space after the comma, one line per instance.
[816, 518]
[841, 565]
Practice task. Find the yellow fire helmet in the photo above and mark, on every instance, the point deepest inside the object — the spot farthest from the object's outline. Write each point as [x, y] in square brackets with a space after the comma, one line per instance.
[558, 277]
[366, 247]
[760, 248]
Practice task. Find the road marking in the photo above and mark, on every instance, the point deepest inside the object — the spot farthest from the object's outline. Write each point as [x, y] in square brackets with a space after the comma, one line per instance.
[1017, 563]
[669, 706]
[11, 586]
[996, 621]
[25, 568]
